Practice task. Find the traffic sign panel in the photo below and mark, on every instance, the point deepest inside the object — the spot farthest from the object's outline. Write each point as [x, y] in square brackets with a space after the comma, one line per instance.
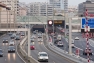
[90, 23]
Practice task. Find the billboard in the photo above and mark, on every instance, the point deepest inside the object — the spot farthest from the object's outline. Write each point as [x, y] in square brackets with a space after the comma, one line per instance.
[56, 23]
[90, 23]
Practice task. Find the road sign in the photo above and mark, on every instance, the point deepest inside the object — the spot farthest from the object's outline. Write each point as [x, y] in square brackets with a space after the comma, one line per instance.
[90, 23]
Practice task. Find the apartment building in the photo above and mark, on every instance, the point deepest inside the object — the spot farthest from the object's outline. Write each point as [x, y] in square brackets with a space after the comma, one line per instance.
[13, 4]
[85, 5]
[7, 17]
[59, 4]
[40, 9]
[22, 11]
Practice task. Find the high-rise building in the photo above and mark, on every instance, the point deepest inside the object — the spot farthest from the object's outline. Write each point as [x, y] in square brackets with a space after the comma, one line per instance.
[59, 4]
[40, 9]
[13, 4]
[85, 5]
[65, 5]
[6, 18]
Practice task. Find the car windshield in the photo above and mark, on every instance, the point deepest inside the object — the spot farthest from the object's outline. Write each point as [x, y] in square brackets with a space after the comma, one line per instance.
[1, 51]
[5, 38]
[17, 36]
[11, 47]
[43, 54]
[60, 42]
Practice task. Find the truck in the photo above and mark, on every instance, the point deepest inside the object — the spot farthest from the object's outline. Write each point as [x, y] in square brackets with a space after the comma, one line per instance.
[59, 37]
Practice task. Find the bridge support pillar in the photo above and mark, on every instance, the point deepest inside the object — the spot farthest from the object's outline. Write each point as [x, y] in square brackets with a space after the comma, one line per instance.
[28, 42]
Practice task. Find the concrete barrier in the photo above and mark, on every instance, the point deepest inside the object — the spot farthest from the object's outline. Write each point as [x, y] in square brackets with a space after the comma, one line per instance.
[24, 54]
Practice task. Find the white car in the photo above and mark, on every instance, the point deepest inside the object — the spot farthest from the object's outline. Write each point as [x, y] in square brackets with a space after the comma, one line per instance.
[33, 36]
[11, 43]
[76, 38]
[40, 39]
[32, 39]
[43, 56]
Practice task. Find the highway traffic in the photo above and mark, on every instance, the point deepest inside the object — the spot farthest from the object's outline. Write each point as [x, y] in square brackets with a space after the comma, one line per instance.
[78, 44]
[9, 57]
[40, 47]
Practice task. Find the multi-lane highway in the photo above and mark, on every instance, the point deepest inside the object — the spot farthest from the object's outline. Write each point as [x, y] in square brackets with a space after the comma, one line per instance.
[9, 57]
[81, 44]
[53, 57]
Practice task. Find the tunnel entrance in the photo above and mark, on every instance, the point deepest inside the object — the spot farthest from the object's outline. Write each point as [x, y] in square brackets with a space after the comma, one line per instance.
[40, 28]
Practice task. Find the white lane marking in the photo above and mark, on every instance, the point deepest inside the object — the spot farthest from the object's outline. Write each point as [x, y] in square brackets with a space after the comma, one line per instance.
[53, 62]
[19, 55]
[91, 42]
[5, 59]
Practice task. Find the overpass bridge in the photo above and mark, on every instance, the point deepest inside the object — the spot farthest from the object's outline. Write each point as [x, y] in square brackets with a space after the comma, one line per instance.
[43, 20]
[38, 20]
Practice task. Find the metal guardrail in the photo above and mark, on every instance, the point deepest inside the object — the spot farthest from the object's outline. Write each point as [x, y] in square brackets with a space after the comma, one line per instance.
[30, 59]
[65, 54]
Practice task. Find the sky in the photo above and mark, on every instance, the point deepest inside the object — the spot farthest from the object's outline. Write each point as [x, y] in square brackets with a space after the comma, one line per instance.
[71, 2]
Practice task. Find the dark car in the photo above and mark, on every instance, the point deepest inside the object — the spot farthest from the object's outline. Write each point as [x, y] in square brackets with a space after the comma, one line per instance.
[22, 34]
[12, 36]
[11, 49]
[56, 41]
[87, 51]
[17, 38]
[5, 40]
[1, 53]
[60, 44]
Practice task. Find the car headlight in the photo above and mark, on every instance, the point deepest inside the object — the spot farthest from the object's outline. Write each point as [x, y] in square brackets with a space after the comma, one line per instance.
[13, 49]
[40, 57]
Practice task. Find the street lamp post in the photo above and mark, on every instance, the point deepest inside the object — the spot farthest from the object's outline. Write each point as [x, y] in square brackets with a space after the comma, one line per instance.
[70, 36]
[53, 20]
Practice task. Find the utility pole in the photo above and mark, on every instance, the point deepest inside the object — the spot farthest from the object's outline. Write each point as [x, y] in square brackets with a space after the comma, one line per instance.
[53, 21]
[28, 42]
[70, 36]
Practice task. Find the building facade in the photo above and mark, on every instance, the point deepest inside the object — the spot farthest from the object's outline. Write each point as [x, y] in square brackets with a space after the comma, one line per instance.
[7, 17]
[85, 5]
[13, 4]
[40, 9]
[59, 4]
[22, 11]
[73, 11]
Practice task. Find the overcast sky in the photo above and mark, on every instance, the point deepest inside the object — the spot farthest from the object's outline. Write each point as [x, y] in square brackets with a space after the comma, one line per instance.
[71, 2]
